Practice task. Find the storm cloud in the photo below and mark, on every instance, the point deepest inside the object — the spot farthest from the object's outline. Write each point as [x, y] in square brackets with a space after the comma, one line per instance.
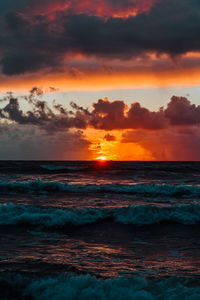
[35, 39]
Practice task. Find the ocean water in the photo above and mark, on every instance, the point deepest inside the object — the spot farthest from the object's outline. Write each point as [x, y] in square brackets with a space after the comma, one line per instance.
[99, 230]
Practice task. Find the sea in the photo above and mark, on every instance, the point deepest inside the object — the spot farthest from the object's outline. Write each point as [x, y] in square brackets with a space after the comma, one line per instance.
[99, 230]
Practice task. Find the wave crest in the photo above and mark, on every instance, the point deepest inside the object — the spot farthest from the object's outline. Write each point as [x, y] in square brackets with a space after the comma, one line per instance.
[11, 214]
[68, 286]
[60, 168]
[38, 186]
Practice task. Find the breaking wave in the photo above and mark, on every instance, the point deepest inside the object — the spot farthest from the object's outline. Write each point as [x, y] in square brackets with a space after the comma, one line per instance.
[37, 186]
[84, 287]
[12, 214]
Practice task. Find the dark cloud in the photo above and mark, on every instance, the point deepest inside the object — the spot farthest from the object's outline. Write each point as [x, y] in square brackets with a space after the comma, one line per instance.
[105, 115]
[116, 115]
[30, 143]
[33, 42]
[109, 138]
[108, 115]
[180, 111]
[15, 22]
[10, 5]
[170, 27]
[138, 115]
[53, 119]
[14, 63]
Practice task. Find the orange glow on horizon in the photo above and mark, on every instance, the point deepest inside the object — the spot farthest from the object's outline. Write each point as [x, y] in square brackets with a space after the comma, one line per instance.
[180, 77]
[101, 158]
[102, 150]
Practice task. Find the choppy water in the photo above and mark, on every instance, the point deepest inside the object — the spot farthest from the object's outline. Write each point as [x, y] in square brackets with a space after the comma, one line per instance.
[100, 230]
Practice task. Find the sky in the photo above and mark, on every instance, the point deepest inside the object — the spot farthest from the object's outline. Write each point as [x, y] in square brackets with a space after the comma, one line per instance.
[104, 79]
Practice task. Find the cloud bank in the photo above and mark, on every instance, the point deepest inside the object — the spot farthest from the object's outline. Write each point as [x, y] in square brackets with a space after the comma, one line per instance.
[41, 35]
[104, 115]
[170, 133]
[19, 142]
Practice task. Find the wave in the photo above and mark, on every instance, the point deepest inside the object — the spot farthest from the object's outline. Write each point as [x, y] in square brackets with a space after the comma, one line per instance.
[38, 186]
[82, 287]
[12, 214]
[59, 168]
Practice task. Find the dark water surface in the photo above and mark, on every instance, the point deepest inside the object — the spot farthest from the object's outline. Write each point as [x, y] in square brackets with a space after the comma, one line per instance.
[99, 230]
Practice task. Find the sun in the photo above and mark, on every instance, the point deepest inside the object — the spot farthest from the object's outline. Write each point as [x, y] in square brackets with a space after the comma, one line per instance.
[101, 158]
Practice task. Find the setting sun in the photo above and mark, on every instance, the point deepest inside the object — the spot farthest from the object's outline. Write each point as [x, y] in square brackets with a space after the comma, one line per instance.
[101, 158]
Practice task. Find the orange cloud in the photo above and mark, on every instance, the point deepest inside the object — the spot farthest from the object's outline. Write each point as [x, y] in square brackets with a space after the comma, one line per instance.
[115, 149]
[102, 80]
[101, 8]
